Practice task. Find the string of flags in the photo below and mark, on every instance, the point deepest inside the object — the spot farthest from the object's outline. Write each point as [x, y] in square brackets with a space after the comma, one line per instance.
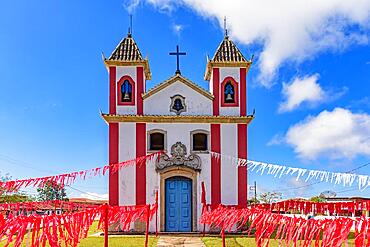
[279, 171]
[259, 167]
[287, 230]
[70, 178]
[67, 228]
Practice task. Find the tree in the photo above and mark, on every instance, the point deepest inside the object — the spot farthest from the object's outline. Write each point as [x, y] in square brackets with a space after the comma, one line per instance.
[51, 191]
[317, 199]
[253, 201]
[13, 195]
[270, 197]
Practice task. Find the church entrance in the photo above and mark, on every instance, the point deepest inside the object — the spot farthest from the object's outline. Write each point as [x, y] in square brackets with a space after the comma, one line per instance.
[178, 204]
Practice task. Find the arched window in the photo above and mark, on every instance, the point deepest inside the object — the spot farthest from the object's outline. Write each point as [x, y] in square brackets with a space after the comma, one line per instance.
[126, 91]
[199, 141]
[229, 92]
[156, 140]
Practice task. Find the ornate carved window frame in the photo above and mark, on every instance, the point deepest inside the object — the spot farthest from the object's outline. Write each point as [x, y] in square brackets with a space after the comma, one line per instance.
[119, 91]
[182, 98]
[199, 131]
[236, 89]
[148, 139]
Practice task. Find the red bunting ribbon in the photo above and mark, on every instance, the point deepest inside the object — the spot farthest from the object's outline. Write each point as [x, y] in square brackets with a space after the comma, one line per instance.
[306, 207]
[288, 230]
[30, 207]
[69, 178]
[68, 228]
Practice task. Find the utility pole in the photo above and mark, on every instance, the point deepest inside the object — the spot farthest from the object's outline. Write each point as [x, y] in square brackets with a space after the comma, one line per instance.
[255, 192]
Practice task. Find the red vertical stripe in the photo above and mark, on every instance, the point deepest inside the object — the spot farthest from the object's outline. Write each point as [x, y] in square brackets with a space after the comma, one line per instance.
[140, 168]
[216, 91]
[243, 92]
[215, 164]
[113, 159]
[112, 90]
[140, 90]
[242, 170]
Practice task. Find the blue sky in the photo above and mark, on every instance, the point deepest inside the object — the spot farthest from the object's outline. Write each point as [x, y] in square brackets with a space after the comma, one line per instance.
[53, 82]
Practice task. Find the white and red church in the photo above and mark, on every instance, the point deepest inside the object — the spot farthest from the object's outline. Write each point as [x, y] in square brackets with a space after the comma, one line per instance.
[185, 121]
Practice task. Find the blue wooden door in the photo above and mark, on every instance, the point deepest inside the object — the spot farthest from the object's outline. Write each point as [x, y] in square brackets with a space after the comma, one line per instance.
[178, 204]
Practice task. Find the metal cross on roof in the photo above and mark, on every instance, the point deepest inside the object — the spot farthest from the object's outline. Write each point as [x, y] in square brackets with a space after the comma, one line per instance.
[178, 53]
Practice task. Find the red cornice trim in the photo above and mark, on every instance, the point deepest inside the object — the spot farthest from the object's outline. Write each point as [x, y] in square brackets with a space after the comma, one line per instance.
[236, 88]
[113, 159]
[215, 164]
[140, 90]
[140, 168]
[242, 170]
[243, 92]
[112, 90]
[216, 93]
[119, 92]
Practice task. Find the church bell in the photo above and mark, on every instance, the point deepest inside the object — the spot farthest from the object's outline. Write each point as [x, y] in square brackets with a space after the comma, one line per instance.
[229, 97]
[126, 96]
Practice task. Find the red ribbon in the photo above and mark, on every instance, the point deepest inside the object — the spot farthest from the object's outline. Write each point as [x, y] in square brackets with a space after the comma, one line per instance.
[296, 231]
[68, 228]
[69, 178]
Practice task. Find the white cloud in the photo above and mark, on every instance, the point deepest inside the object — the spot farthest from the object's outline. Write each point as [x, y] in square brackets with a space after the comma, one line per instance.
[94, 196]
[177, 29]
[335, 134]
[276, 140]
[132, 5]
[300, 90]
[306, 90]
[298, 188]
[289, 30]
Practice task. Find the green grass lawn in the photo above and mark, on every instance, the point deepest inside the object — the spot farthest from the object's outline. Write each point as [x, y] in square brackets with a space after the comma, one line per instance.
[129, 241]
[114, 241]
[232, 241]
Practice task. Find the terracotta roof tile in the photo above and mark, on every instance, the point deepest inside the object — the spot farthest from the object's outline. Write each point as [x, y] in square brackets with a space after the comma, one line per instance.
[227, 51]
[127, 50]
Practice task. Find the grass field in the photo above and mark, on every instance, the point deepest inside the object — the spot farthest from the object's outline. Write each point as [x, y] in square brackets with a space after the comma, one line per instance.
[114, 241]
[139, 240]
[233, 241]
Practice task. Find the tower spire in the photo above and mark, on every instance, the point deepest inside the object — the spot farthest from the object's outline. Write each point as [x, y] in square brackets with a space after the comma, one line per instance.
[130, 27]
[225, 28]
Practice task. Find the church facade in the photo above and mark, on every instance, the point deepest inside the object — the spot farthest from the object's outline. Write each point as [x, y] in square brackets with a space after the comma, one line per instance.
[190, 124]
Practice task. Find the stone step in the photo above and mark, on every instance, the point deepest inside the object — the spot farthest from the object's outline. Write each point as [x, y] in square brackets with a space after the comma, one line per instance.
[180, 241]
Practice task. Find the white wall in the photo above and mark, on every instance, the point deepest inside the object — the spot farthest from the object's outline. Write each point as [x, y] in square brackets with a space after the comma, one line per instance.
[128, 71]
[234, 73]
[127, 151]
[181, 133]
[159, 103]
[229, 172]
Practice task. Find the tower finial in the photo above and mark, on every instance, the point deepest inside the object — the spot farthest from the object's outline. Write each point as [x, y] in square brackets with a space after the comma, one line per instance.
[225, 27]
[130, 27]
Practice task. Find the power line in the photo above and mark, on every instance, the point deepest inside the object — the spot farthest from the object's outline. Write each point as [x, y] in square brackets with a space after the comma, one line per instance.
[81, 191]
[318, 182]
[21, 163]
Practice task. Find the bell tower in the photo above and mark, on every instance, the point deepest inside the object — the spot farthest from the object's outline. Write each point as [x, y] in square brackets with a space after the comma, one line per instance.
[227, 72]
[128, 72]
